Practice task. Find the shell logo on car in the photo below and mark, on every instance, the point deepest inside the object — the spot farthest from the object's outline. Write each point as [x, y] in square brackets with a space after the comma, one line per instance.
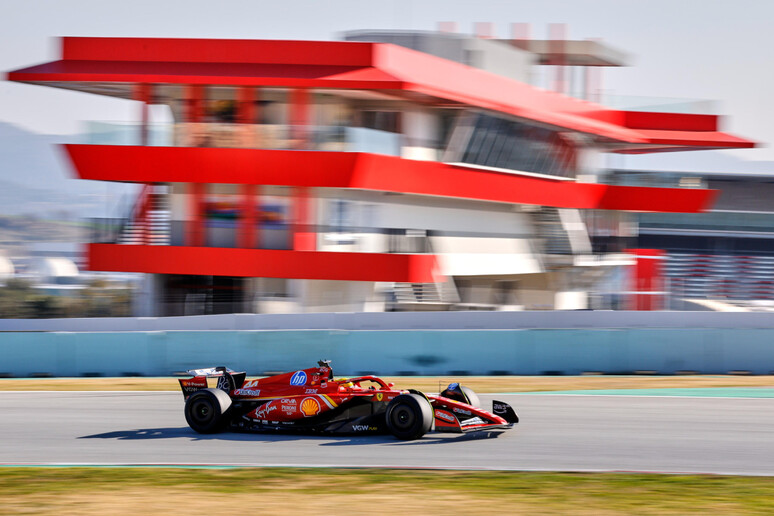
[310, 407]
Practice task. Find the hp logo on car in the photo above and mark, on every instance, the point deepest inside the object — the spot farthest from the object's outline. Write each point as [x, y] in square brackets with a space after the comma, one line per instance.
[299, 378]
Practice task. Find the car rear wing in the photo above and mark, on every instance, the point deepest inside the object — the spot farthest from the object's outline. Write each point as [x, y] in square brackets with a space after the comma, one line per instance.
[210, 372]
[228, 380]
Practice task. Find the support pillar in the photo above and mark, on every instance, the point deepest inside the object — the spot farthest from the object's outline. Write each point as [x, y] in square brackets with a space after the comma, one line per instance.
[193, 113]
[593, 81]
[447, 27]
[246, 113]
[143, 212]
[246, 229]
[483, 30]
[195, 225]
[246, 107]
[300, 117]
[194, 103]
[304, 235]
[647, 280]
[247, 233]
[191, 134]
[557, 36]
[142, 93]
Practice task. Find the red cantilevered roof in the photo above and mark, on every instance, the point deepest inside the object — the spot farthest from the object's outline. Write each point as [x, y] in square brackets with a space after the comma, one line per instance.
[665, 132]
[292, 75]
[348, 65]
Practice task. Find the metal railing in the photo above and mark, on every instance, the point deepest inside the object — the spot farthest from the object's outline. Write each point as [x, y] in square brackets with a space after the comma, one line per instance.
[247, 136]
[160, 230]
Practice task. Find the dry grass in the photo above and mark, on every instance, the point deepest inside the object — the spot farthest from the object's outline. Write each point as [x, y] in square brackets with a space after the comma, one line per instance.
[430, 384]
[92, 491]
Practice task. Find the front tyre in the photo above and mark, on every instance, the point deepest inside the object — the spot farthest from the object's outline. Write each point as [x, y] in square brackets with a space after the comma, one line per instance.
[472, 397]
[409, 416]
[462, 394]
[205, 410]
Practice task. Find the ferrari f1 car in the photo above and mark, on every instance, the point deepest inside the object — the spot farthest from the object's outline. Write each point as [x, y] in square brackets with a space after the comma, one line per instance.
[312, 401]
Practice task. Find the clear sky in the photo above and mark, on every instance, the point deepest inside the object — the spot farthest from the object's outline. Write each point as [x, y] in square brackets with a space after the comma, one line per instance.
[703, 49]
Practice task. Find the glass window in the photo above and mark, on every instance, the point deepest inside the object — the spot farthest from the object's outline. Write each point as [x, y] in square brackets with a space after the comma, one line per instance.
[496, 142]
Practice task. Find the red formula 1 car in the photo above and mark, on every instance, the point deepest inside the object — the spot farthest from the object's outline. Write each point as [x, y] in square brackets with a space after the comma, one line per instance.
[312, 401]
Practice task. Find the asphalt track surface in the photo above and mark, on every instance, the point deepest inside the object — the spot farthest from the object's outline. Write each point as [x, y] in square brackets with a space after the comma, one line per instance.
[557, 432]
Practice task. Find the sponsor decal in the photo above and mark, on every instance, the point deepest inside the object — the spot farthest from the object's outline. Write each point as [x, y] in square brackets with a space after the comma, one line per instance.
[261, 414]
[379, 396]
[364, 428]
[193, 385]
[298, 378]
[310, 407]
[462, 411]
[310, 391]
[224, 384]
[247, 392]
[445, 416]
[250, 384]
[324, 385]
[289, 409]
[499, 408]
[288, 401]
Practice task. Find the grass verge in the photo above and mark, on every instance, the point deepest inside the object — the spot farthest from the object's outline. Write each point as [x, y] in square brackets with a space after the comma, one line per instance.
[430, 384]
[288, 491]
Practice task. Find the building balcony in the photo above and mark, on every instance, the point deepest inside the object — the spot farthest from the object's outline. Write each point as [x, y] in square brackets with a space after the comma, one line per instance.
[368, 171]
[158, 230]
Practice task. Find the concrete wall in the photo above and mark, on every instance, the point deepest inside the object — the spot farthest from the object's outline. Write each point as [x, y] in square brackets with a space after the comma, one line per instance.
[431, 352]
[394, 343]
[540, 320]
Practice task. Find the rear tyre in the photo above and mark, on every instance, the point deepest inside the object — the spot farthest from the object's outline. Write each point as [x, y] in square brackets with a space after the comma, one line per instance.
[409, 416]
[205, 410]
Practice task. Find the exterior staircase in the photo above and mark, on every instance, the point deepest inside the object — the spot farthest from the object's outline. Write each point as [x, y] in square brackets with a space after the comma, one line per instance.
[149, 222]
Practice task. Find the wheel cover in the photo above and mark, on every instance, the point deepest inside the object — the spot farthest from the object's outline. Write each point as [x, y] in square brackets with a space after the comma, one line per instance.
[202, 411]
[403, 417]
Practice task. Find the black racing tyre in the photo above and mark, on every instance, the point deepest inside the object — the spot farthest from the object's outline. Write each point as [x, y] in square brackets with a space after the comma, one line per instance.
[205, 410]
[471, 396]
[409, 416]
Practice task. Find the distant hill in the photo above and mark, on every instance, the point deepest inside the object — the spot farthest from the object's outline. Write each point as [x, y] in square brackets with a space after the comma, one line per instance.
[35, 179]
[18, 233]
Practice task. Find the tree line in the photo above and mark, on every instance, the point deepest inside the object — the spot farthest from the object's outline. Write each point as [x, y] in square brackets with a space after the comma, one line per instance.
[19, 299]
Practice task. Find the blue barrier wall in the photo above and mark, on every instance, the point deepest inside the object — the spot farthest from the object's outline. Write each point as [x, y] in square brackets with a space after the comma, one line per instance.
[390, 352]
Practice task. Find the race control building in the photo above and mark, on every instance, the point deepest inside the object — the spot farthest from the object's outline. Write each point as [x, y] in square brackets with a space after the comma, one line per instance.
[389, 171]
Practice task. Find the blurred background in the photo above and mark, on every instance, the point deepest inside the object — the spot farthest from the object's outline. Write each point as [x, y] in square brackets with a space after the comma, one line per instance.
[695, 63]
